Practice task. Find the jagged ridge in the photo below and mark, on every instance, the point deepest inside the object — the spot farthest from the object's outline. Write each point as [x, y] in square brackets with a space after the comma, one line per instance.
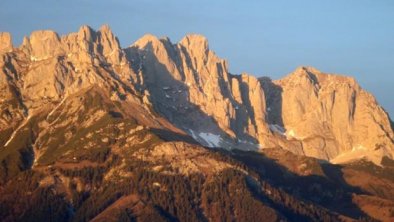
[95, 132]
[309, 113]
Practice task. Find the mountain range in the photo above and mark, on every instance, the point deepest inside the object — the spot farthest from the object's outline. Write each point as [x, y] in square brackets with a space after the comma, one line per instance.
[158, 131]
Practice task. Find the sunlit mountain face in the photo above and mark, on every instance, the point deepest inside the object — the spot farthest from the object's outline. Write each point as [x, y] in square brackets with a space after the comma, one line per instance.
[162, 131]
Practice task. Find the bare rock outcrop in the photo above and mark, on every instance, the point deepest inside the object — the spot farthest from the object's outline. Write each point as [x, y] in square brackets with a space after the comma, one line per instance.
[190, 85]
[333, 117]
[107, 133]
[43, 45]
[49, 67]
[308, 112]
[5, 42]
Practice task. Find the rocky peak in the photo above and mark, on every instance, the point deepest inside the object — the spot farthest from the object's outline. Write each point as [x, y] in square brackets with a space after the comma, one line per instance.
[305, 74]
[302, 70]
[328, 114]
[101, 43]
[88, 45]
[188, 74]
[108, 41]
[197, 48]
[5, 42]
[106, 29]
[156, 56]
[147, 40]
[62, 66]
[43, 45]
[86, 33]
[308, 112]
[195, 43]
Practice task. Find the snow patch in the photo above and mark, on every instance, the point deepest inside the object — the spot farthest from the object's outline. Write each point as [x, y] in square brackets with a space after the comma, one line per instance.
[278, 129]
[193, 135]
[242, 141]
[210, 139]
[248, 145]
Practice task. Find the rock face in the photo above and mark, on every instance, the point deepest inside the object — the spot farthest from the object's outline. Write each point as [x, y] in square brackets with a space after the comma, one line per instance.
[5, 42]
[192, 87]
[95, 132]
[331, 115]
[47, 67]
[309, 113]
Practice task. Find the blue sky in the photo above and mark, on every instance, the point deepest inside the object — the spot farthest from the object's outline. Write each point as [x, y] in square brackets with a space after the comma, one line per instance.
[272, 38]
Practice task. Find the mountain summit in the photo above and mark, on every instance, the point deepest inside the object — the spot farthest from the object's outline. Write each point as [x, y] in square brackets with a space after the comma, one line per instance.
[308, 112]
[80, 116]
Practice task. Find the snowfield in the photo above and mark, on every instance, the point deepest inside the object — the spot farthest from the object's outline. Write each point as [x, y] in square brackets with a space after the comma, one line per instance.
[209, 139]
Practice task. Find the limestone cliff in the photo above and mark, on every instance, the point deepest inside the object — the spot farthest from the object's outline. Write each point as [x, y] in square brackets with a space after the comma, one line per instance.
[308, 112]
[331, 115]
[95, 132]
[192, 87]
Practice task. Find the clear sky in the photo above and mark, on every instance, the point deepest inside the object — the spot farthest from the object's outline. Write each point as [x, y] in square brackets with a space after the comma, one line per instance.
[352, 37]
